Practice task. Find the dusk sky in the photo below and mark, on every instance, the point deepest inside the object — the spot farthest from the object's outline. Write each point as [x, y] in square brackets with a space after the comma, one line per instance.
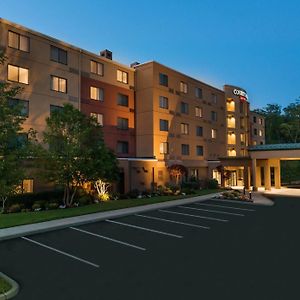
[252, 44]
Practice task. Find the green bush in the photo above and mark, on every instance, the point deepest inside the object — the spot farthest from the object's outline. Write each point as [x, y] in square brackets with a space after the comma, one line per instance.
[84, 200]
[212, 184]
[15, 208]
[52, 205]
[36, 206]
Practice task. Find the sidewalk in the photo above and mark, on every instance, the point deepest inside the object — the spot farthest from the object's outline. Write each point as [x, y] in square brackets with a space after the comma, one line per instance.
[18, 231]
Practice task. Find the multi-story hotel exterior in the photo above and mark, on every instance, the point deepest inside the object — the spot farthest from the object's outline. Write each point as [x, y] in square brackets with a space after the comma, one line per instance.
[152, 116]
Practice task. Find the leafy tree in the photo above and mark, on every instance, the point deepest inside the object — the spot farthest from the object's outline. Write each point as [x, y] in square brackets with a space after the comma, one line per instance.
[291, 125]
[77, 153]
[13, 150]
[177, 171]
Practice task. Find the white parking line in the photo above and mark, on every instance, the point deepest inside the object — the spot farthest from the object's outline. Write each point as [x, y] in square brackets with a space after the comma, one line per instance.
[146, 229]
[60, 252]
[224, 206]
[175, 222]
[212, 211]
[108, 238]
[194, 216]
[234, 201]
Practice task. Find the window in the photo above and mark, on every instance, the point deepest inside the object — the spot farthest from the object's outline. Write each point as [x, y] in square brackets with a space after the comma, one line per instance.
[122, 123]
[199, 131]
[54, 108]
[18, 41]
[185, 149]
[163, 102]
[122, 147]
[255, 131]
[199, 150]
[183, 87]
[198, 92]
[122, 100]
[184, 128]
[184, 108]
[23, 106]
[242, 109]
[58, 84]
[163, 125]
[17, 74]
[230, 104]
[260, 121]
[96, 93]
[22, 139]
[164, 148]
[260, 133]
[198, 112]
[160, 175]
[27, 186]
[214, 116]
[231, 138]
[214, 133]
[214, 98]
[97, 68]
[58, 55]
[122, 76]
[254, 119]
[163, 79]
[98, 118]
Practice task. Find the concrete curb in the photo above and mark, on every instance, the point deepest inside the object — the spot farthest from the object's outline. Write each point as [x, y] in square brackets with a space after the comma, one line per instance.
[13, 291]
[25, 230]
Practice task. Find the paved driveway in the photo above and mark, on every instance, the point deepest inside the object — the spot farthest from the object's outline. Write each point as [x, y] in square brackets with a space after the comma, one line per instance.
[206, 250]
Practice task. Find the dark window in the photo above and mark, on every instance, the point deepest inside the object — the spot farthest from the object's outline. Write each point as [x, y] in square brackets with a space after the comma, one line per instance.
[59, 55]
[198, 92]
[122, 123]
[19, 141]
[163, 79]
[255, 131]
[163, 125]
[22, 105]
[199, 150]
[184, 108]
[122, 100]
[214, 98]
[122, 147]
[199, 131]
[213, 116]
[54, 108]
[163, 102]
[254, 119]
[185, 149]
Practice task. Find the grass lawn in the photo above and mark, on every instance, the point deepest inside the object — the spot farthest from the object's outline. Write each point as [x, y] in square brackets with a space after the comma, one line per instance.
[15, 219]
[4, 286]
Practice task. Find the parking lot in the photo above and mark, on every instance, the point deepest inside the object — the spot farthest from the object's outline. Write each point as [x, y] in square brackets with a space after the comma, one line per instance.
[215, 249]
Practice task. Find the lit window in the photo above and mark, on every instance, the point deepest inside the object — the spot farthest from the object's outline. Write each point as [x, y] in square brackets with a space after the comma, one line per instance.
[184, 128]
[254, 143]
[122, 123]
[198, 92]
[58, 84]
[183, 87]
[230, 104]
[122, 100]
[184, 108]
[214, 133]
[96, 93]
[163, 125]
[58, 55]
[18, 41]
[22, 105]
[164, 148]
[199, 112]
[122, 76]
[163, 79]
[185, 149]
[17, 74]
[163, 102]
[260, 133]
[231, 152]
[231, 138]
[27, 186]
[122, 147]
[231, 122]
[199, 131]
[260, 121]
[97, 68]
[199, 150]
[98, 118]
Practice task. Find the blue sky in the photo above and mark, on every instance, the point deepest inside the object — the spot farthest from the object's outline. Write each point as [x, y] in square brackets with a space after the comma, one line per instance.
[253, 44]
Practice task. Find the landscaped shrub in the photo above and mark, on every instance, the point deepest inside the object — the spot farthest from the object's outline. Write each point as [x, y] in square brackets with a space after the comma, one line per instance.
[36, 207]
[85, 199]
[52, 205]
[15, 208]
[133, 194]
[212, 184]
[194, 185]
[188, 191]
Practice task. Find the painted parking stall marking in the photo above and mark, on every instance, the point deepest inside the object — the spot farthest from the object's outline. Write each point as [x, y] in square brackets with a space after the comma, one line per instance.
[108, 239]
[60, 252]
[194, 216]
[212, 211]
[224, 206]
[233, 201]
[145, 229]
[174, 222]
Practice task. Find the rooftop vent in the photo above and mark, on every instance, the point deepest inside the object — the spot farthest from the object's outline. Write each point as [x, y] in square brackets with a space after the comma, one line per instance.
[106, 53]
[134, 64]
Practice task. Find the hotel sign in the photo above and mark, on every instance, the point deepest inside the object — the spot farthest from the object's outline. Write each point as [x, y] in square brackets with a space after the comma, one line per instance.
[242, 94]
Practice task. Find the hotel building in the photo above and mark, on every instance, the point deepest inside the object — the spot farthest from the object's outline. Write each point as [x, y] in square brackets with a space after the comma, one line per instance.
[152, 116]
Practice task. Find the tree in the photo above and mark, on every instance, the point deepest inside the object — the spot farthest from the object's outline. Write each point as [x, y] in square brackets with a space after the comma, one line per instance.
[14, 148]
[291, 125]
[77, 153]
[177, 171]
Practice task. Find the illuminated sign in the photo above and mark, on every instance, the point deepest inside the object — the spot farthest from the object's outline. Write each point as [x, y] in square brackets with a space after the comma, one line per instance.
[242, 95]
